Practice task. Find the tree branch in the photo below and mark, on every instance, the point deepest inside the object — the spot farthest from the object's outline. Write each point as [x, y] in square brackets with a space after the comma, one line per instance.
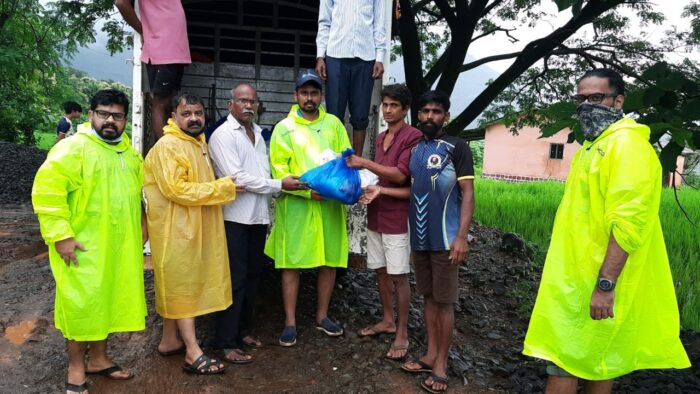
[489, 59]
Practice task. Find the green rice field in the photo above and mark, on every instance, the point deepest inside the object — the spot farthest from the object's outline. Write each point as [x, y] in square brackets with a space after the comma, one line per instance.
[529, 208]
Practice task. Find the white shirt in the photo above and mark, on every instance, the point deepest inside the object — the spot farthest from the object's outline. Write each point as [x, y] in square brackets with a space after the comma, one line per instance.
[233, 153]
[344, 27]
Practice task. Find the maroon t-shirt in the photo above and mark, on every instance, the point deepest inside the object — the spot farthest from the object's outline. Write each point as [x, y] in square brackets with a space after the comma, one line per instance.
[386, 214]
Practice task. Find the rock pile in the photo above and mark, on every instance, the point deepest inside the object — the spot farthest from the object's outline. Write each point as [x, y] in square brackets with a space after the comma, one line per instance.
[18, 164]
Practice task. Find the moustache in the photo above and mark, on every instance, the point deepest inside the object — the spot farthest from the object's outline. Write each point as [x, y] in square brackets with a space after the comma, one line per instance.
[194, 123]
[249, 111]
[109, 126]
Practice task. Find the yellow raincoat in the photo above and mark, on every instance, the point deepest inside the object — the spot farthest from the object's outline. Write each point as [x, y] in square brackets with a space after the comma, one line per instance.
[306, 233]
[91, 190]
[614, 186]
[186, 226]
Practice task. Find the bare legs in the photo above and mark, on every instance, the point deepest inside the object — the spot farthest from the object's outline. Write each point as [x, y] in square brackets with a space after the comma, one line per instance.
[569, 385]
[290, 292]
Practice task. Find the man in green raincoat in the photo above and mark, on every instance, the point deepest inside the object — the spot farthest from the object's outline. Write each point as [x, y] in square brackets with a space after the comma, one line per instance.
[87, 195]
[606, 304]
[309, 231]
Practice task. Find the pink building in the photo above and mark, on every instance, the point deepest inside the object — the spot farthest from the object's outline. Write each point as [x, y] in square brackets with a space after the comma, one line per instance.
[526, 157]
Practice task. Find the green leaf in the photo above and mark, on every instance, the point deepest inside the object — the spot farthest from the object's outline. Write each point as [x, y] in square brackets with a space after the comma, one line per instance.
[571, 137]
[691, 109]
[656, 72]
[562, 109]
[564, 4]
[696, 140]
[668, 155]
[553, 128]
[669, 100]
[634, 101]
[680, 136]
[652, 96]
[673, 81]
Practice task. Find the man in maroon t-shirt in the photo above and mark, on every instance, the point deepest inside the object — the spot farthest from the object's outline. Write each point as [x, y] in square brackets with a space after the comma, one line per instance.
[388, 249]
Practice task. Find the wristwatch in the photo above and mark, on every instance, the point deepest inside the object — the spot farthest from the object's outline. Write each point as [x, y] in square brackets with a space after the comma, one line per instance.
[605, 284]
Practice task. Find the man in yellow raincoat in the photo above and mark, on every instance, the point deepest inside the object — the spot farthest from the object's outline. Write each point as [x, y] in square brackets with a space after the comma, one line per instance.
[308, 232]
[606, 304]
[186, 230]
[87, 196]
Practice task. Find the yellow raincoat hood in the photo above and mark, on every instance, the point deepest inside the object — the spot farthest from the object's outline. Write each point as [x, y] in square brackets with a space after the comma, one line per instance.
[614, 187]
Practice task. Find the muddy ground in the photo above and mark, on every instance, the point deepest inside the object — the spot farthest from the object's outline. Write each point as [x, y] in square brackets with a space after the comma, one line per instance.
[486, 356]
[491, 319]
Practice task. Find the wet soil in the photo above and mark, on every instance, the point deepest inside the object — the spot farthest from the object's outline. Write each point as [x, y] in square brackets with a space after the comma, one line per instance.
[491, 319]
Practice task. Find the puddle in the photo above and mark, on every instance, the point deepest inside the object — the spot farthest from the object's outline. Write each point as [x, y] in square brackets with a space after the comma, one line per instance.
[20, 333]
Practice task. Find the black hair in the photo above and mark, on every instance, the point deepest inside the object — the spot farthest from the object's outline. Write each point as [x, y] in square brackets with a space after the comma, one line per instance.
[615, 81]
[72, 106]
[398, 92]
[435, 96]
[109, 97]
[188, 98]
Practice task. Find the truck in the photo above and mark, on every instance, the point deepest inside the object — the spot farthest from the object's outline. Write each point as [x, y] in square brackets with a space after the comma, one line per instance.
[264, 43]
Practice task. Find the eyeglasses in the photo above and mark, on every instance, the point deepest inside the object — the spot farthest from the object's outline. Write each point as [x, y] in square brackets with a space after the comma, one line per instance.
[595, 98]
[118, 116]
[244, 102]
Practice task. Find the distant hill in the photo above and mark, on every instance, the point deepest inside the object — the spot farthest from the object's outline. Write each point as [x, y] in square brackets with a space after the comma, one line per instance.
[96, 62]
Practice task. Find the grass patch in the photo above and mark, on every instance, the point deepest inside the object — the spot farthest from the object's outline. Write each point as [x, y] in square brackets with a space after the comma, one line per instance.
[45, 139]
[529, 209]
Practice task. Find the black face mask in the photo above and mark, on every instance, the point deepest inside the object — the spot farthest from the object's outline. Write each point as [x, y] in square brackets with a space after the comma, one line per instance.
[429, 129]
[595, 118]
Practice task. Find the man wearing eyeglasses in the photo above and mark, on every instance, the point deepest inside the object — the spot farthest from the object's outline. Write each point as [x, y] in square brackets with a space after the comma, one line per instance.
[87, 196]
[606, 304]
[238, 149]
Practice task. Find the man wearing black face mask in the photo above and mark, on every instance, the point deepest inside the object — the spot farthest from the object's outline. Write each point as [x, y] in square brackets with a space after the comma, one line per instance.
[592, 319]
[440, 212]
[188, 242]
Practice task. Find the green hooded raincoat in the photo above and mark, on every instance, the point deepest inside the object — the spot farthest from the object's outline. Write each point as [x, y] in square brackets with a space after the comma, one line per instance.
[91, 190]
[306, 233]
[614, 186]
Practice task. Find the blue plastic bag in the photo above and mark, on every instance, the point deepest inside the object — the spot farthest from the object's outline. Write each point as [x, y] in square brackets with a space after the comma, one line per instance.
[335, 180]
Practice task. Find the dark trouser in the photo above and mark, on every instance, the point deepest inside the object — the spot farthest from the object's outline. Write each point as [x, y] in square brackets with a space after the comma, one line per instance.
[246, 243]
[350, 84]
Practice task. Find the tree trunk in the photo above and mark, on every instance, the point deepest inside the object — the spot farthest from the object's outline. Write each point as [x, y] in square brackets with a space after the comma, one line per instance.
[412, 57]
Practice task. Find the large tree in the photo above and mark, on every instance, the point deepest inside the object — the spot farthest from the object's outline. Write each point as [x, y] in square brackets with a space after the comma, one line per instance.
[436, 35]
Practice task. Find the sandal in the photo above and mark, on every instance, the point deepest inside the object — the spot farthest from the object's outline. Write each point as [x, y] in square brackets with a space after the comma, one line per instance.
[252, 342]
[108, 372]
[181, 350]
[202, 366]
[436, 379]
[246, 358]
[371, 331]
[424, 367]
[76, 388]
[395, 348]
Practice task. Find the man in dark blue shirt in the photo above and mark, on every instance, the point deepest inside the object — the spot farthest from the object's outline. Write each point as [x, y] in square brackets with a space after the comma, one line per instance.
[440, 213]
[71, 110]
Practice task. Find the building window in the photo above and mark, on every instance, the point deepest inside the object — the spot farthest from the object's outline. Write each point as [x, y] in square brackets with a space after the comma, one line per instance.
[556, 151]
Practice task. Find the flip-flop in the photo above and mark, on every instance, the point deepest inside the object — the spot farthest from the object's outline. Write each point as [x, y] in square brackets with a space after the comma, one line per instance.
[370, 331]
[423, 367]
[240, 353]
[181, 350]
[107, 372]
[395, 348]
[436, 379]
[77, 388]
[254, 343]
[201, 366]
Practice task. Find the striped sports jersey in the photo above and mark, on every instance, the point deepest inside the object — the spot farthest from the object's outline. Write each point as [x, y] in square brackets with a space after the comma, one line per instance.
[436, 167]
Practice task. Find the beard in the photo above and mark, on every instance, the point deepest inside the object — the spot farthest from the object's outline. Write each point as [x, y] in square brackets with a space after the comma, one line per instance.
[429, 129]
[309, 107]
[109, 131]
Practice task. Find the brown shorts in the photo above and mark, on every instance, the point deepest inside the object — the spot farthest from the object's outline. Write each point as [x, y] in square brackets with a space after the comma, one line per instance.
[436, 276]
